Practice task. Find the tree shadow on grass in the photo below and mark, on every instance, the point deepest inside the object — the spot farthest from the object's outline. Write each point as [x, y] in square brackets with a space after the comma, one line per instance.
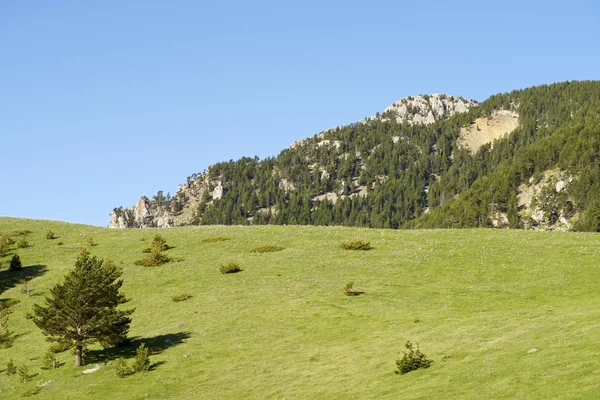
[10, 279]
[156, 344]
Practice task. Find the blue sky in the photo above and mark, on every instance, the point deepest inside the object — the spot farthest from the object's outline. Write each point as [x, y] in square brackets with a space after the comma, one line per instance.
[102, 102]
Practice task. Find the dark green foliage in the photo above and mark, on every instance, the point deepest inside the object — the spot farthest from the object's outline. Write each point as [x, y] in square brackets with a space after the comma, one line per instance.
[11, 368]
[267, 249]
[412, 359]
[155, 258]
[156, 255]
[23, 372]
[406, 169]
[15, 263]
[181, 297]
[216, 239]
[356, 245]
[122, 369]
[229, 268]
[50, 235]
[60, 243]
[22, 243]
[142, 359]
[159, 243]
[83, 309]
[50, 361]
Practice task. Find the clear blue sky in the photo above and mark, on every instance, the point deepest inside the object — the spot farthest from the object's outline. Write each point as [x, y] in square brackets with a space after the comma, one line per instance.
[104, 101]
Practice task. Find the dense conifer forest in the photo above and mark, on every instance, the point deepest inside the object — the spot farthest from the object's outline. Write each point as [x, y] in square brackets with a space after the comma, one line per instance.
[381, 173]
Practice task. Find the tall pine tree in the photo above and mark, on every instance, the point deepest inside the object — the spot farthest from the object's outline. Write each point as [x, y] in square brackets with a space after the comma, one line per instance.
[83, 309]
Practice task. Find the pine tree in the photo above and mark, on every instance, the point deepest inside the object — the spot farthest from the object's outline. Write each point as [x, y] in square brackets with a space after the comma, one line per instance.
[83, 309]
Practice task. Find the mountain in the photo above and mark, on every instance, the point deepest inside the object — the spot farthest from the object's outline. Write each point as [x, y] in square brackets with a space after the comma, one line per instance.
[524, 159]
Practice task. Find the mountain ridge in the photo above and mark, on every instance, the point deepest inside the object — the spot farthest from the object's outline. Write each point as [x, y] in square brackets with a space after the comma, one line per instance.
[393, 169]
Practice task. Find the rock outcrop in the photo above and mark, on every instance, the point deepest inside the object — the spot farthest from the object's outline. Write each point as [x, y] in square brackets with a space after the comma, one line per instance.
[422, 109]
[145, 213]
[426, 109]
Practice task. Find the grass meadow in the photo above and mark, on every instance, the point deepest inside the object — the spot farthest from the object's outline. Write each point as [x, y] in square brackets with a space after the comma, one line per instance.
[478, 302]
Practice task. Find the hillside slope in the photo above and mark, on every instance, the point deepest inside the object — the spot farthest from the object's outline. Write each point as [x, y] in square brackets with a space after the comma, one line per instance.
[389, 170]
[503, 314]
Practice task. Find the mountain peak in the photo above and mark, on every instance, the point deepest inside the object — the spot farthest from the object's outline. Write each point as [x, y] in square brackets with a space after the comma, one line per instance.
[426, 109]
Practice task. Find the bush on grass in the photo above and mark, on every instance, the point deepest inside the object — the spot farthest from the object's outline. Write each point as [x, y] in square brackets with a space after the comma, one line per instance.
[412, 360]
[15, 263]
[216, 239]
[181, 297]
[267, 249]
[356, 245]
[229, 268]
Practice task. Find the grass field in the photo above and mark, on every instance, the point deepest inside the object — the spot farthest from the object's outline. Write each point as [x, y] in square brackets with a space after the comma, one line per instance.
[477, 302]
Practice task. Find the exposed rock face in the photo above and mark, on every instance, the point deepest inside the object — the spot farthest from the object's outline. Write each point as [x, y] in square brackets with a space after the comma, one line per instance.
[147, 213]
[422, 109]
[487, 129]
[144, 214]
[218, 192]
[427, 109]
[546, 204]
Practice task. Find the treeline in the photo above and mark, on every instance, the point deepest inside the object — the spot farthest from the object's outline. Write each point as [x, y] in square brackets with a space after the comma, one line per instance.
[406, 169]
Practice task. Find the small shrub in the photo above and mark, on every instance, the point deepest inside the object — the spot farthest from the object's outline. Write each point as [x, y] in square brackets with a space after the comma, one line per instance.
[28, 290]
[154, 258]
[23, 243]
[412, 360]
[23, 373]
[181, 297]
[11, 368]
[349, 289]
[23, 232]
[90, 242]
[59, 347]
[158, 243]
[142, 359]
[267, 249]
[32, 391]
[6, 336]
[50, 235]
[229, 268]
[60, 243]
[50, 361]
[216, 239]
[356, 245]
[15, 263]
[5, 241]
[5, 304]
[121, 368]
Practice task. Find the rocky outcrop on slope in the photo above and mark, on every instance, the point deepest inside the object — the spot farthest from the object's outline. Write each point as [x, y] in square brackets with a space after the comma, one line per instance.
[144, 214]
[422, 109]
[166, 213]
[426, 109]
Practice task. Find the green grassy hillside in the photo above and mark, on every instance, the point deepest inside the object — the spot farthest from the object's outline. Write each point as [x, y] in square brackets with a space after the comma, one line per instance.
[477, 302]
